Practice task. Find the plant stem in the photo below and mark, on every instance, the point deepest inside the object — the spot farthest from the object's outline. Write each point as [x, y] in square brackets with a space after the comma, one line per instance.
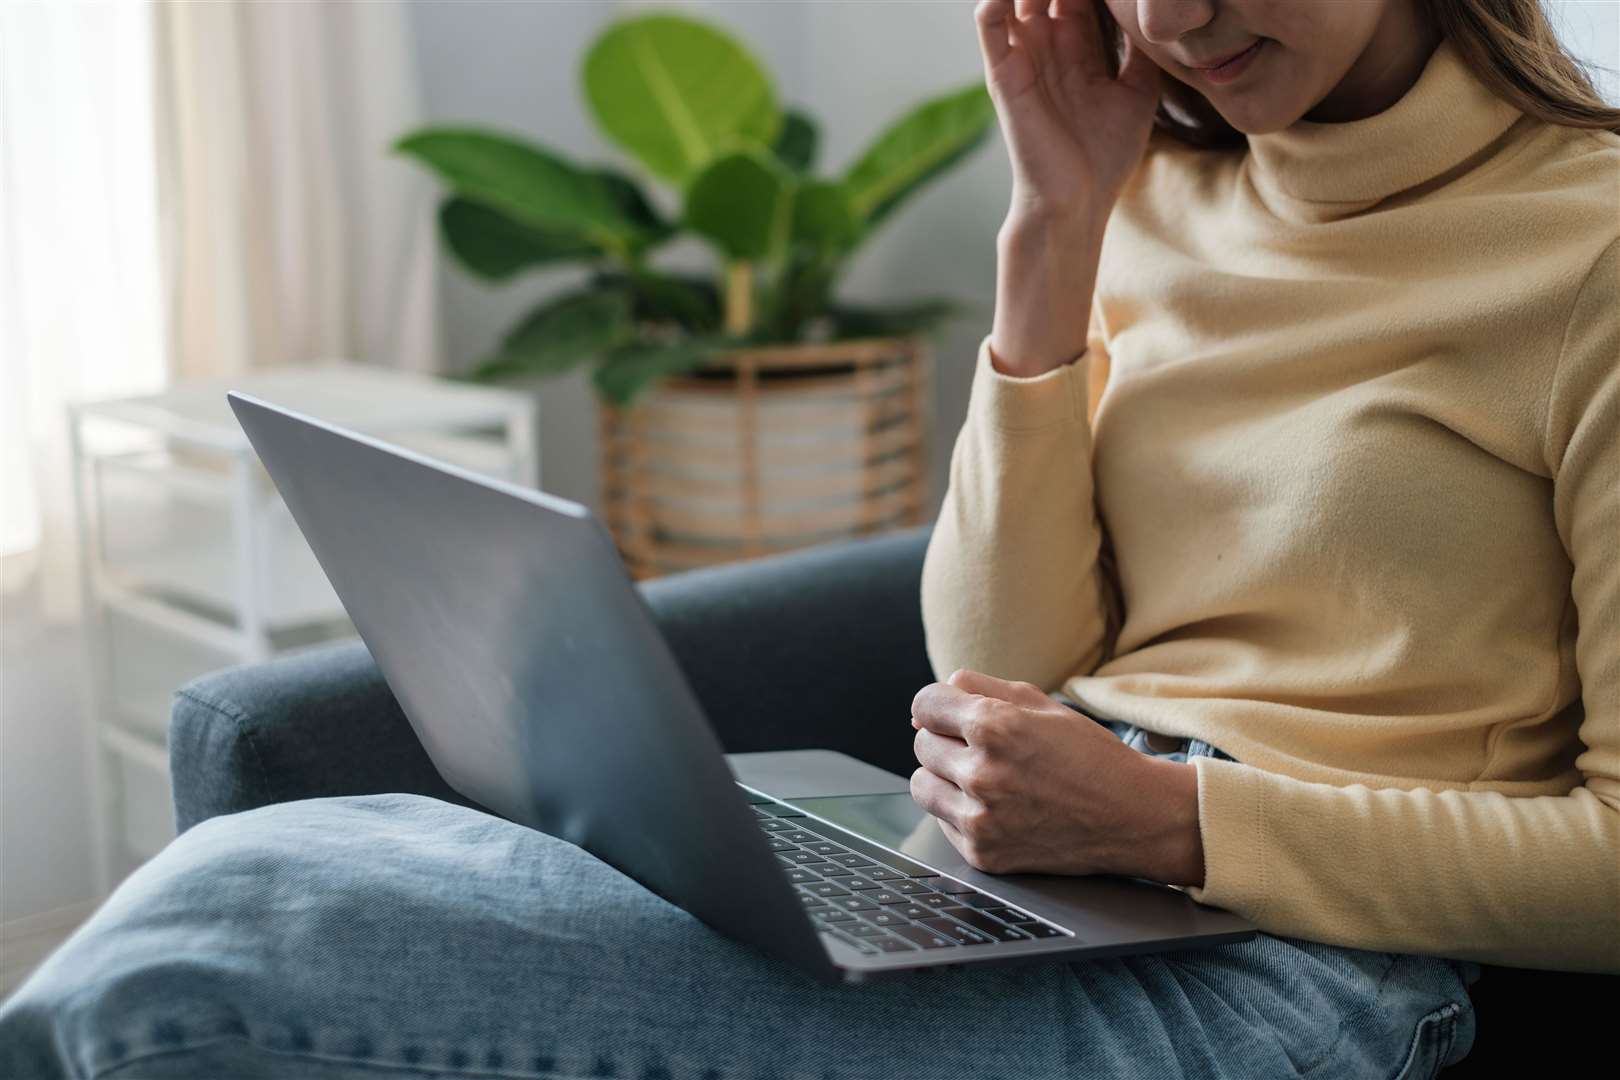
[739, 297]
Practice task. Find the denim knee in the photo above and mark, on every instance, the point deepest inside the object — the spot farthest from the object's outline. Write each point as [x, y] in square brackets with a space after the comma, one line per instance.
[84, 1011]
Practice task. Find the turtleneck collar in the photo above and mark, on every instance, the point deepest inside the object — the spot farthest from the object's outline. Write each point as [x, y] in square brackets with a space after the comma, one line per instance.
[1447, 116]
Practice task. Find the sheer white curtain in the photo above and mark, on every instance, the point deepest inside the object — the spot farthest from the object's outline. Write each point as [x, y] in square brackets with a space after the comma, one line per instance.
[194, 189]
[81, 308]
[295, 235]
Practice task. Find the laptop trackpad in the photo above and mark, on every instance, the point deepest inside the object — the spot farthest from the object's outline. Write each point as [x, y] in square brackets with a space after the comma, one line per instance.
[864, 799]
[806, 774]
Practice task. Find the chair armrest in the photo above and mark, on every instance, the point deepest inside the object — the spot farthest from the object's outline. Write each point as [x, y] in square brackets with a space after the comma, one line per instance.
[821, 647]
[316, 722]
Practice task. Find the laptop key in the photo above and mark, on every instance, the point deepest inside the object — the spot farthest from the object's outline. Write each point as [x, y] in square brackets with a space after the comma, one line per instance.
[998, 930]
[867, 930]
[852, 860]
[833, 870]
[916, 911]
[885, 897]
[800, 876]
[886, 918]
[774, 825]
[812, 901]
[1040, 930]
[832, 914]
[800, 856]
[1010, 915]
[934, 899]
[883, 873]
[858, 883]
[872, 851]
[827, 889]
[909, 888]
[854, 903]
[980, 901]
[823, 847]
[799, 836]
[962, 935]
[783, 845]
[923, 936]
[892, 944]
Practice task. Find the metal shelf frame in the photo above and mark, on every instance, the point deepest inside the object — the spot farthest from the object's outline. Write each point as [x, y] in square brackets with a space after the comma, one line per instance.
[252, 632]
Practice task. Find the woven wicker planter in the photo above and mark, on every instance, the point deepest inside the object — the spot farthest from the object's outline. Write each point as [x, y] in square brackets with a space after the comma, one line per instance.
[766, 450]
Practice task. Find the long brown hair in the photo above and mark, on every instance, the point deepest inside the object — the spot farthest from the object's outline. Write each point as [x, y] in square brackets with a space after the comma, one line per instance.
[1509, 45]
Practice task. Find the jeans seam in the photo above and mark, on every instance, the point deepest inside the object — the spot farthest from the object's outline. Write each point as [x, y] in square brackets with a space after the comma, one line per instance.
[1441, 1015]
[386, 1068]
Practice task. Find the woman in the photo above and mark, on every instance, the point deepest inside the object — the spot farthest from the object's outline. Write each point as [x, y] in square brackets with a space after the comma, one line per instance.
[1338, 498]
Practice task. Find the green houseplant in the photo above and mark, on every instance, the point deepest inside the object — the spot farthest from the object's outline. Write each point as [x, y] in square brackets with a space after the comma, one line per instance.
[696, 112]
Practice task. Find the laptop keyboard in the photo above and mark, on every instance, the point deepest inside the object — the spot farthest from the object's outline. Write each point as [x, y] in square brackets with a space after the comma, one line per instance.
[877, 902]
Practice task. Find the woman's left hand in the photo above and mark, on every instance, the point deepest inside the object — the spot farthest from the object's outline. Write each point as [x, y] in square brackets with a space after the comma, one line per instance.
[1021, 783]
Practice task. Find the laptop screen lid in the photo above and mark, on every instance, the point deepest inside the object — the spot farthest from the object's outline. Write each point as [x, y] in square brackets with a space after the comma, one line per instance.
[527, 663]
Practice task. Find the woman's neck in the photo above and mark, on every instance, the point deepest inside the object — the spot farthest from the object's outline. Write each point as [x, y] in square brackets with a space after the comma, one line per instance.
[1385, 70]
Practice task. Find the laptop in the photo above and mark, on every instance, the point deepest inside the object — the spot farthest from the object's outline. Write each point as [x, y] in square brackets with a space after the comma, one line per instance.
[527, 663]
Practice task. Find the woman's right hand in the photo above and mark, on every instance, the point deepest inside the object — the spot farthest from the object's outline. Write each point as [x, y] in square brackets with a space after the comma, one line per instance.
[1074, 131]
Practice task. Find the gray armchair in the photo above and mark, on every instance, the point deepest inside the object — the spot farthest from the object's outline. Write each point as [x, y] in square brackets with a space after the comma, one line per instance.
[818, 648]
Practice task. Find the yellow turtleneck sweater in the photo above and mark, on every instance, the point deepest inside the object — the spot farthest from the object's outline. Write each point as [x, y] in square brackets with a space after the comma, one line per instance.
[1340, 496]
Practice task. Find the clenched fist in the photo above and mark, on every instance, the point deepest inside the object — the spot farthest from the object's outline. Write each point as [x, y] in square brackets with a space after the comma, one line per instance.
[1022, 783]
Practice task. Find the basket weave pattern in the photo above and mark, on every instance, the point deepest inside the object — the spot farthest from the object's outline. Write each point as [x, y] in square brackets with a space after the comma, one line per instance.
[768, 449]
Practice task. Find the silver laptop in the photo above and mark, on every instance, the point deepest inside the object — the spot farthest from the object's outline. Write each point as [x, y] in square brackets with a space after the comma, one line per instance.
[541, 688]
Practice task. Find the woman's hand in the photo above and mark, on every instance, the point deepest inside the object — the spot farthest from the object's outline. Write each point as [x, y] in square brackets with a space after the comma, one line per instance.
[1022, 783]
[1074, 131]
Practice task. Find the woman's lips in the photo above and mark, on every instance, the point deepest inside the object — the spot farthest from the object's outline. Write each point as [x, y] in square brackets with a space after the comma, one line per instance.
[1231, 69]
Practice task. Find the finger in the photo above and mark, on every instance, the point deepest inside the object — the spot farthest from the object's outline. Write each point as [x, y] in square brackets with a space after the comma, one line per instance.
[1019, 693]
[941, 798]
[990, 16]
[1032, 31]
[944, 710]
[1078, 43]
[954, 835]
[942, 755]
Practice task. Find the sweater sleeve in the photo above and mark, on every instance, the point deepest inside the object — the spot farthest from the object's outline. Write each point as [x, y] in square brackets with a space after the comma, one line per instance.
[1522, 881]
[1013, 584]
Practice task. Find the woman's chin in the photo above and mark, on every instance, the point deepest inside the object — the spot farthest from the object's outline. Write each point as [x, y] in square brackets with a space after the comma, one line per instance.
[1256, 121]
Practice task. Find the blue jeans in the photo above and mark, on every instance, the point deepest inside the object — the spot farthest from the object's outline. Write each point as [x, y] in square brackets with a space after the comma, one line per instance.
[396, 935]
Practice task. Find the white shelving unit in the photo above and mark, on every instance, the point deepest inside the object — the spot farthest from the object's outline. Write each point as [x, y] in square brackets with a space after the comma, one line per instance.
[191, 562]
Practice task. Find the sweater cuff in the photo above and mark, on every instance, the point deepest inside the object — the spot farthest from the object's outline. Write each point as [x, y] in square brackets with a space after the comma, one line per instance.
[1232, 825]
[1011, 403]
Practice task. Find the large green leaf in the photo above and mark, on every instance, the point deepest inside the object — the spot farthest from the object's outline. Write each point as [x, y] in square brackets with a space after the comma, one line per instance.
[633, 368]
[688, 301]
[797, 295]
[635, 205]
[743, 203]
[562, 333]
[494, 246]
[796, 143]
[824, 218]
[923, 144]
[676, 92]
[526, 183]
